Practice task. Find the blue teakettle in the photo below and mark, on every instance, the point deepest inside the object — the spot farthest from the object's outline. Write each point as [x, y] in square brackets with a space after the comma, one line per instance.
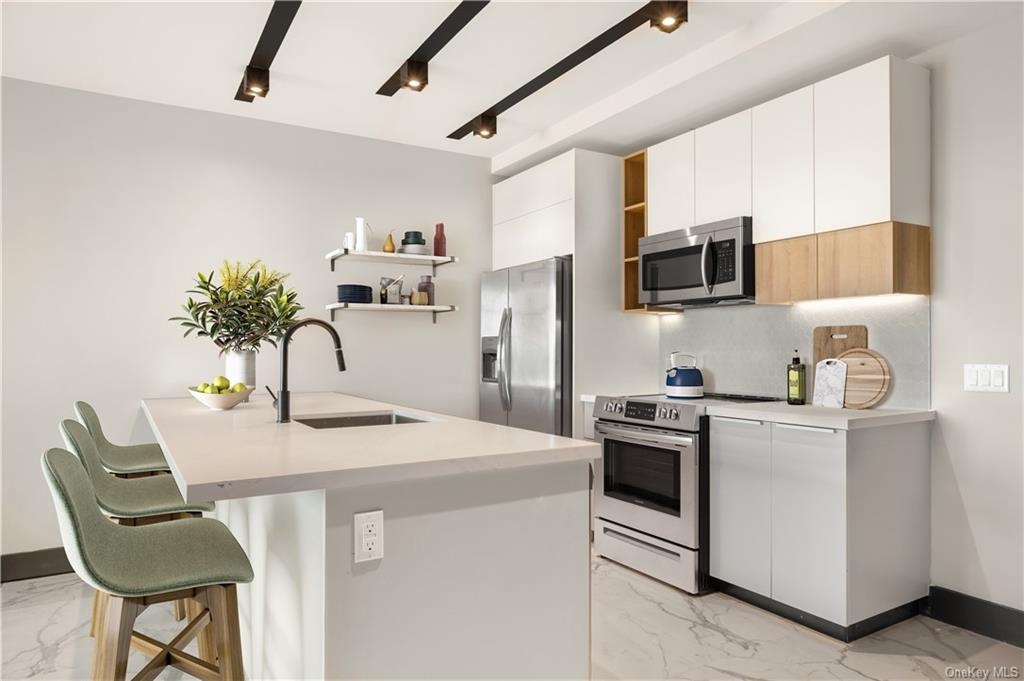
[683, 378]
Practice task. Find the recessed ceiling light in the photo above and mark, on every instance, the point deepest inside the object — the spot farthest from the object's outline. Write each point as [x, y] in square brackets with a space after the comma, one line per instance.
[413, 75]
[485, 125]
[256, 81]
[668, 16]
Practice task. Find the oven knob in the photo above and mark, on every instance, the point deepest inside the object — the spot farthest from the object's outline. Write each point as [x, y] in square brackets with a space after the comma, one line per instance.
[607, 407]
[662, 412]
[674, 415]
[618, 407]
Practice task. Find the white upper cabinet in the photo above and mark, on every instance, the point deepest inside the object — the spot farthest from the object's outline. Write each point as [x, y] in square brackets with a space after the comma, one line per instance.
[723, 169]
[539, 187]
[535, 236]
[670, 187]
[783, 166]
[872, 146]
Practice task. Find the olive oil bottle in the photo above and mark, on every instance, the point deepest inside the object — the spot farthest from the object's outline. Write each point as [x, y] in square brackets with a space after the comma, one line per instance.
[796, 375]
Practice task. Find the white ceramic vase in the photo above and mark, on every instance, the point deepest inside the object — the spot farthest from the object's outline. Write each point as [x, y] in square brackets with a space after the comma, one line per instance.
[240, 367]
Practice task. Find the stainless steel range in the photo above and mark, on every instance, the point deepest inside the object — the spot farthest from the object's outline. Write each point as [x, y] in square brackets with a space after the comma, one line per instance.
[652, 485]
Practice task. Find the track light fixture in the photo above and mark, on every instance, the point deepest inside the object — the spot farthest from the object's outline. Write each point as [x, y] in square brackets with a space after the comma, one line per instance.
[256, 81]
[413, 75]
[485, 125]
[668, 16]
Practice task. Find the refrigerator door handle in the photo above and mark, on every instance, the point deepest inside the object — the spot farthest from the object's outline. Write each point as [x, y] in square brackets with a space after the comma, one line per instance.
[506, 342]
[501, 357]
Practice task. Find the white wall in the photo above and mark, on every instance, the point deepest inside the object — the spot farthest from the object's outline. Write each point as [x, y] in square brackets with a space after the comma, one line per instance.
[977, 457]
[111, 205]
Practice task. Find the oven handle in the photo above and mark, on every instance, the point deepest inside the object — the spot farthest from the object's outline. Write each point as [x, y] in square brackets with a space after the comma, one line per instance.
[643, 437]
[704, 264]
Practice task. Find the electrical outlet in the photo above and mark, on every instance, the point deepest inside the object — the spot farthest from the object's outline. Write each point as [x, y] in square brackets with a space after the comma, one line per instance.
[368, 536]
[987, 378]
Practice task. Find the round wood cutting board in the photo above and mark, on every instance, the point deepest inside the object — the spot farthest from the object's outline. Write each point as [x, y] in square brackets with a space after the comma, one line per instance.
[867, 378]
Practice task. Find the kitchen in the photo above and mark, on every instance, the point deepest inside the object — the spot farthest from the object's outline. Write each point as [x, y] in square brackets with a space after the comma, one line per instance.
[584, 183]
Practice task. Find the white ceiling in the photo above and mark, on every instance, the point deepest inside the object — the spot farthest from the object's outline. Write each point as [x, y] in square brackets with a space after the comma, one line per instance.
[337, 54]
[642, 89]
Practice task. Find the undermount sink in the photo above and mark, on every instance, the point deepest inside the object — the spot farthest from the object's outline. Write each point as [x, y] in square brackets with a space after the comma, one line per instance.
[380, 418]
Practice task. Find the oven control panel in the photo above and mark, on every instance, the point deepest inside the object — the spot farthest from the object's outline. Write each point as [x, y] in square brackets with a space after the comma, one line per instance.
[645, 411]
[655, 412]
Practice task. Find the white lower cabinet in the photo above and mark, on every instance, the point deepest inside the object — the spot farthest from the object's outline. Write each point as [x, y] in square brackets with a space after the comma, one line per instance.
[808, 519]
[741, 503]
[834, 523]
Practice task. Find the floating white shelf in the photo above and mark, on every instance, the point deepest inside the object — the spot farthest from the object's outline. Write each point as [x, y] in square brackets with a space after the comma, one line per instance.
[377, 307]
[434, 261]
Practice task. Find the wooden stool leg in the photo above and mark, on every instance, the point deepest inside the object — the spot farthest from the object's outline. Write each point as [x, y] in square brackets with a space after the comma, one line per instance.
[222, 600]
[180, 610]
[94, 622]
[114, 640]
[205, 640]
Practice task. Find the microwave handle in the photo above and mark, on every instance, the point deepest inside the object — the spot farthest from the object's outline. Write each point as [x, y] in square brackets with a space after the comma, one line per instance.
[704, 264]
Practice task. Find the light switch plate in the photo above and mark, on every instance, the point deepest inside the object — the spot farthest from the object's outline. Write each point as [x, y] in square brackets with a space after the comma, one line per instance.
[368, 536]
[987, 378]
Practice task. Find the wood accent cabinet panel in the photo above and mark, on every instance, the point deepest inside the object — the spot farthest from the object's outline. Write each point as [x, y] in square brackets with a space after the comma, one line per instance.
[786, 271]
[889, 257]
[722, 156]
[670, 168]
[783, 167]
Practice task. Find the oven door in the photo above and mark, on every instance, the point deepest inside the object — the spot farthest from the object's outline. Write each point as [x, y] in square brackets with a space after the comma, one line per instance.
[685, 266]
[648, 481]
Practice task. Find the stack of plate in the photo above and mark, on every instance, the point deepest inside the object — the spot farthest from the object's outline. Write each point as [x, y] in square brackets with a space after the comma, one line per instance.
[414, 243]
[354, 293]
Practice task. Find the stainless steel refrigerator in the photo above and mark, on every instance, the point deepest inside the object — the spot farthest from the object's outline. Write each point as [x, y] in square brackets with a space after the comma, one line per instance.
[526, 346]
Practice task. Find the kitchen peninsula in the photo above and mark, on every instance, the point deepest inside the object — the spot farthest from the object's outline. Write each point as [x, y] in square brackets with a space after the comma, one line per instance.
[485, 567]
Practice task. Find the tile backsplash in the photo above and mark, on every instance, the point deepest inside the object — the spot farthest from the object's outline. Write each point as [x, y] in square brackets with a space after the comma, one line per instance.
[745, 349]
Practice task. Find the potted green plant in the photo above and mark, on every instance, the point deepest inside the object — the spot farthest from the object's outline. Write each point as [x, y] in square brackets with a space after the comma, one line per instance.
[248, 307]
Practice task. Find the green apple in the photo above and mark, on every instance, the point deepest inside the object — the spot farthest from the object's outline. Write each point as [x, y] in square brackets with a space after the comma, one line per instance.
[221, 382]
[210, 390]
[239, 388]
[201, 388]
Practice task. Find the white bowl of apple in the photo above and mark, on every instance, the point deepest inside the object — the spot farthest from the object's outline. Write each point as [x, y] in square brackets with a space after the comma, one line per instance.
[219, 394]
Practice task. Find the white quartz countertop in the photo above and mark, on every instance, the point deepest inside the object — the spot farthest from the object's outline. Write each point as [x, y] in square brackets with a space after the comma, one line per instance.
[820, 417]
[244, 452]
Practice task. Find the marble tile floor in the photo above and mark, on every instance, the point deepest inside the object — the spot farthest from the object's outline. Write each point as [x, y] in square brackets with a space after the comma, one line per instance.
[642, 629]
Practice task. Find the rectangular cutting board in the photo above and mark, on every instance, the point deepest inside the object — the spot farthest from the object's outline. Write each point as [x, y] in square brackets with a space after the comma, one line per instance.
[832, 341]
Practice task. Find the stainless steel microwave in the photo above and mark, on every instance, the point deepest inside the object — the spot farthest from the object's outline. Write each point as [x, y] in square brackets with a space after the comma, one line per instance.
[710, 264]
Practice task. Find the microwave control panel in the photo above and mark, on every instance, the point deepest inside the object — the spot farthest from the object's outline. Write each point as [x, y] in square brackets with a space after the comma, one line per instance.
[725, 261]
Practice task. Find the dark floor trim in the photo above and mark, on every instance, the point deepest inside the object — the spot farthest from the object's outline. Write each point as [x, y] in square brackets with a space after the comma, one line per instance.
[845, 634]
[990, 619]
[16, 566]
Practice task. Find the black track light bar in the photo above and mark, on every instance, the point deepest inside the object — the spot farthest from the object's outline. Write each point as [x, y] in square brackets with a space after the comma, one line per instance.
[448, 29]
[645, 14]
[274, 31]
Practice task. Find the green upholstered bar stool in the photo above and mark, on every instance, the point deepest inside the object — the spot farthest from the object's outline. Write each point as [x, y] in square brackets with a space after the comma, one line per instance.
[135, 567]
[141, 500]
[121, 460]
[136, 501]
